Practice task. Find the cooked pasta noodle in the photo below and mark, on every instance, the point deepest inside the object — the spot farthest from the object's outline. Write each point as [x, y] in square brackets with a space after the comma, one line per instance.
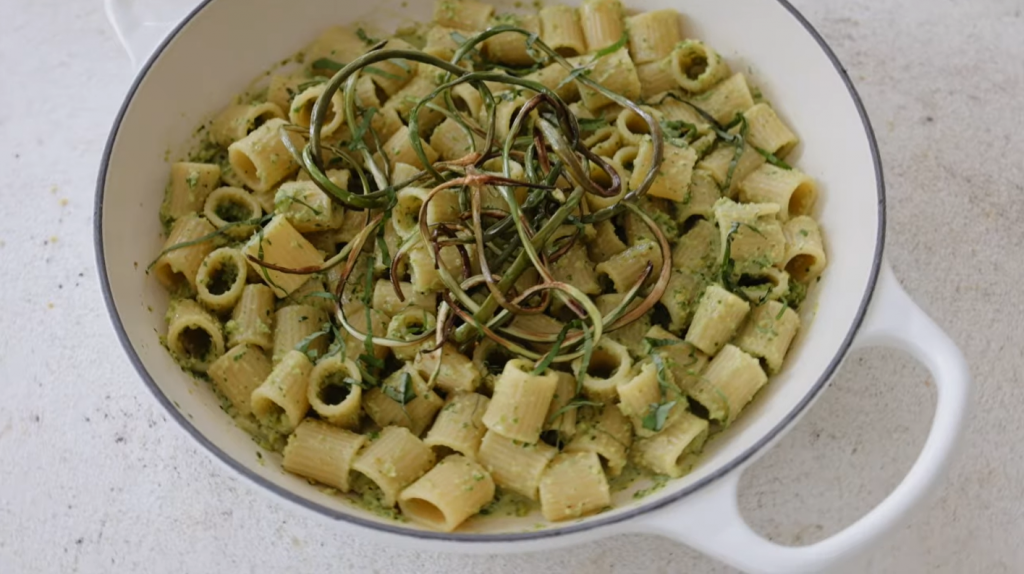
[496, 254]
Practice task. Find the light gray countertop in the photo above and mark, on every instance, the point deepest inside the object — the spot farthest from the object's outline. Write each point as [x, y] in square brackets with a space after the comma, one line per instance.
[94, 477]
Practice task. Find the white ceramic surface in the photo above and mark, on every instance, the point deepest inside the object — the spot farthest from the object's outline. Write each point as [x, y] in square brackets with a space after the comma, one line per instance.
[202, 67]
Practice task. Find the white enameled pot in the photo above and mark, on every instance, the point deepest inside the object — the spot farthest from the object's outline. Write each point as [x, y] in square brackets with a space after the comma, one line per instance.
[221, 45]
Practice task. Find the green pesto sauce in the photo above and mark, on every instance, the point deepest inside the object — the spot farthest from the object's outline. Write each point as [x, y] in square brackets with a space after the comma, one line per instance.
[222, 279]
[658, 481]
[368, 496]
[508, 503]
[232, 212]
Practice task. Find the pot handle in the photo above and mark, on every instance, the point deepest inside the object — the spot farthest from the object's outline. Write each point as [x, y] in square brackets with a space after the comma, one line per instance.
[140, 26]
[893, 320]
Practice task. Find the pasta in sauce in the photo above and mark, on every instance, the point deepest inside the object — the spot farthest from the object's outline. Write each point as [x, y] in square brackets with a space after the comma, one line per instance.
[495, 253]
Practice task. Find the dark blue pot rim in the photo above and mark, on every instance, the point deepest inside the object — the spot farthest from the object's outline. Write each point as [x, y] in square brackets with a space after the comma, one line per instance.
[597, 522]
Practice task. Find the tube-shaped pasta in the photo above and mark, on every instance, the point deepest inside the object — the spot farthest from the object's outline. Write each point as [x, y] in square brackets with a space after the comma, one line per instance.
[674, 177]
[405, 99]
[409, 324]
[459, 426]
[261, 159]
[338, 43]
[386, 299]
[632, 129]
[189, 185]
[768, 132]
[455, 373]
[282, 89]
[572, 486]
[652, 35]
[306, 206]
[768, 333]
[610, 365]
[602, 178]
[393, 75]
[405, 216]
[515, 465]
[604, 142]
[176, 270]
[356, 314]
[423, 275]
[520, 402]
[560, 29]
[753, 235]
[322, 452]
[791, 189]
[313, 292]
[728, 98]
[452, 142]
[468, 101]
[510, 48]
[281, 402]
[638, 394]
[559, 418]
[700, 198]
[238, 120]
[280, 244]
[805, 252]
[293, 324]
[576, 268]
[386, 123]
[230, 206]
[252, 319]
[631, 336]
[720, 162]
[335, 391]
[491, 198]
[393, 461]
[237, 373]
[674, 110]
[696, 67]
[614, 71]
[221, 279]
[609, 435]
[399, 149]
[695, 260]
[301, 110]
[368, 95]
[606, 243]
[553, 77]
[655, 78]
[772, 285]
[467, 15]
[719, 315]
[674, 450]
[448, 494]
[504, 114]
[602, 23]
[683, 361]
[194, 336]
[730, 381]
[415, 414]
[625, 268]
[440, 43]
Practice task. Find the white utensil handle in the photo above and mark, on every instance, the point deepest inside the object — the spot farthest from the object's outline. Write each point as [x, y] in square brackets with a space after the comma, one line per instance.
[710, 520]
[141, 27]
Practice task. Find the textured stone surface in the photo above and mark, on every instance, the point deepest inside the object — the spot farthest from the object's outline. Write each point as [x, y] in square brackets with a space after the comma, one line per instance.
[95, 478]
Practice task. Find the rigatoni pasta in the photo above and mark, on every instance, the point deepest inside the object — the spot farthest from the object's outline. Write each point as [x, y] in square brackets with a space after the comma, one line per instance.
[451, 492]
[322, 452]
[394, 460]
[578, 274]
[460, 426]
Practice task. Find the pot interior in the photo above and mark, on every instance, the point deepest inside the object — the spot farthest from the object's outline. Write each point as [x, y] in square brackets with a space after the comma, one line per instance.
[214, 57]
